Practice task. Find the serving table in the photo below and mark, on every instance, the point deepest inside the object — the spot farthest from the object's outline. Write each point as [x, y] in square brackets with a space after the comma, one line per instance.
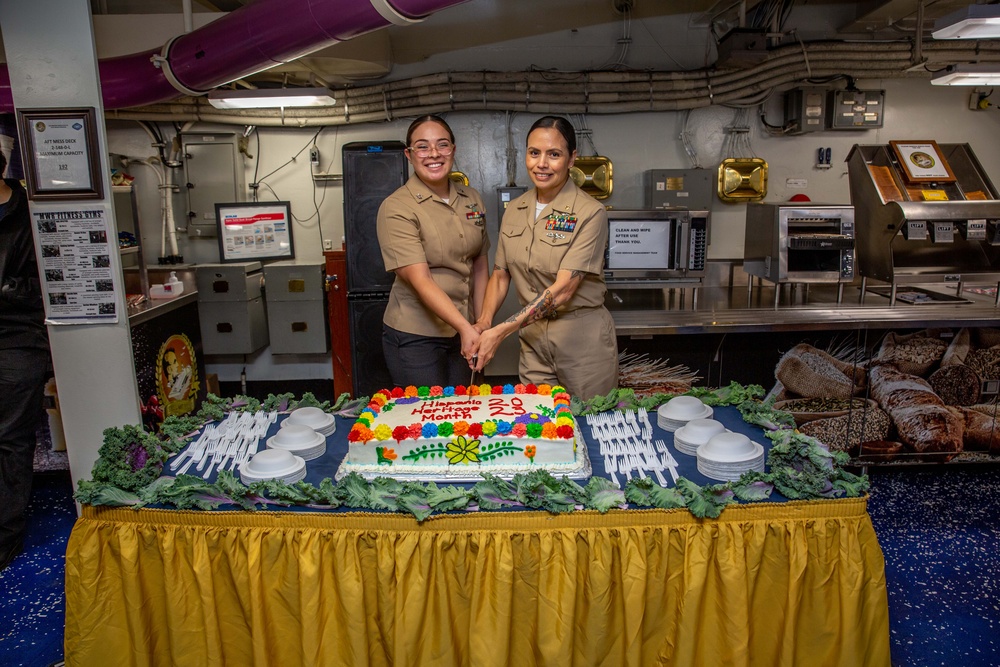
[769, 583]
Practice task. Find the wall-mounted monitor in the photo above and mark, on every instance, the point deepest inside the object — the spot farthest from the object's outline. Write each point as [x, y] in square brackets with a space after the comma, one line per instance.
[254, 231]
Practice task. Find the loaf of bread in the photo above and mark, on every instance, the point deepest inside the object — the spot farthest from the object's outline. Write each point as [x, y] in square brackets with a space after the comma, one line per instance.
[925, 425]
[981, 432]
[812, 373]
[846, 432]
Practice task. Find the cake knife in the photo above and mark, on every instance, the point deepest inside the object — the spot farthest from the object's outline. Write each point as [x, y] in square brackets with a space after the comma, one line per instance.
[472, 380]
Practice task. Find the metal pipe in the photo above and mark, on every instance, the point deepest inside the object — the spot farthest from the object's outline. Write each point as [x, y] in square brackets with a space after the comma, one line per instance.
[248, 40]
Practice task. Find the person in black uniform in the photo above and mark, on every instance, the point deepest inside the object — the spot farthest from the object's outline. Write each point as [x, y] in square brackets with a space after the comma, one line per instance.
[24, 362]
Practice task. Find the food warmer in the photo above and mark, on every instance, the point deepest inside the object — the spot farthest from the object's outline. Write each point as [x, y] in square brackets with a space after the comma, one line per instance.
[926, 213]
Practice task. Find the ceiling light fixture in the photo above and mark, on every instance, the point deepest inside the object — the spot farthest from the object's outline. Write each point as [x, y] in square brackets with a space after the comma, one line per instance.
[973, 22]
[968, 75]
[271, 98]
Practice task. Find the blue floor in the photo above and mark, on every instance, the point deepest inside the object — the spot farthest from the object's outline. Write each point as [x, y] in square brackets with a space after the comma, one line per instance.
[939, 528]
[32, 599]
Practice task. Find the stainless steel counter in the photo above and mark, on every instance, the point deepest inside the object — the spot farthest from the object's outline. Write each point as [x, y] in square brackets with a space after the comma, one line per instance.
[151, 308]
[651, 312]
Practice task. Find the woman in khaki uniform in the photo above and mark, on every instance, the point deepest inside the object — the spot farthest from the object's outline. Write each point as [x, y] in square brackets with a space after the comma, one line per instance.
[432, 233]
[551, 247]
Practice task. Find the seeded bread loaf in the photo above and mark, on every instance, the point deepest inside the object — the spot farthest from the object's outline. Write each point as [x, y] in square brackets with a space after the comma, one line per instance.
[925, 425]
[812, 373]
[981, 432]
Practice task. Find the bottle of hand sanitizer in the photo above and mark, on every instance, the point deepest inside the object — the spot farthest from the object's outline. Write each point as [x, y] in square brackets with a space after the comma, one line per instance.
[173, 287]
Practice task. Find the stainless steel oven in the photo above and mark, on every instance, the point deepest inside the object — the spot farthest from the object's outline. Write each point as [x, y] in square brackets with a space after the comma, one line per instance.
[647, 248]
[789, 243]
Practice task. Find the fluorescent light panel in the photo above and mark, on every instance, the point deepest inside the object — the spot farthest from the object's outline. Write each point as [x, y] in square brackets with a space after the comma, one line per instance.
[271, 98]
[968, 75]
[973, 22]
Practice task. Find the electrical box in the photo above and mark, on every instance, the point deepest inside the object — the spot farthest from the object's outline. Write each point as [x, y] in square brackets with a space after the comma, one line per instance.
[856, 109]
[805, 110]
[213, 173]
[693, 189]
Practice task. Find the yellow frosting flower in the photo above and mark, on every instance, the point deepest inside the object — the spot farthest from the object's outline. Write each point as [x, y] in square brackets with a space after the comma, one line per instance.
[383, 432]
[564, 421]
[461, 450]
[489, 428]
[485, 390]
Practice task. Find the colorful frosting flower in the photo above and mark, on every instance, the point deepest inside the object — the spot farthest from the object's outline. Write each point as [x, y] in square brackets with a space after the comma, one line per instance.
[530, 389]
[460, 427]
[549, 430]
[534, 430]
[545, 389]
[519, 388]
[489, 428]
[385, 455]
[423, 391]
[564, 432]
[558, 389]
[414, 430]
[560, 396]
[473, 390]
[449, 391]
[475, 430]
[519, 430]
[486, 390]
[503, 428]
[531, 418]
[508, 389]
[399, 433]
[445, 429]
[360, 434]
[462, 450]
[436, 390]
[380, 398]
[397, 392]
[406, 400]
[429, 430]
[383, 432]
[410, 391]
[529, 451]
[564, 421]
[460, 390]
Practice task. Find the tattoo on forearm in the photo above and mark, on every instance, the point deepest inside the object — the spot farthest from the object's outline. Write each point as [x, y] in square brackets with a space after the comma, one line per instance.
[543, 306]
[499, 268]
[577, 273]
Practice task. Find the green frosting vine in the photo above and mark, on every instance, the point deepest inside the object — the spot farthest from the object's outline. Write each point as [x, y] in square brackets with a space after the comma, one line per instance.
[800, 468]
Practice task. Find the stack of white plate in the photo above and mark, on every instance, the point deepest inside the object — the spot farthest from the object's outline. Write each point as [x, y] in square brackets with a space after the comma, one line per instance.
[679, 410]
[728, 455]
[695, 433]
[300, 440]
[279, 464]
[322, 422]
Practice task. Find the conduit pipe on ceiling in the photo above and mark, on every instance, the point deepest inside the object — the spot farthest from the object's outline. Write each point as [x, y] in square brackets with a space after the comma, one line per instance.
[588, 92]
[253, 38]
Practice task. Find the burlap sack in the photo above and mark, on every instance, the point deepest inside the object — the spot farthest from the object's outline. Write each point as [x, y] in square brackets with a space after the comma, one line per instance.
[915, 353]
[812, 373]
[958, 349]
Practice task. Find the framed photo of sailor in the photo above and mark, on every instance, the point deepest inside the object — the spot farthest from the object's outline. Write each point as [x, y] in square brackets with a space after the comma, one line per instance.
[61, 160]
[922, 161]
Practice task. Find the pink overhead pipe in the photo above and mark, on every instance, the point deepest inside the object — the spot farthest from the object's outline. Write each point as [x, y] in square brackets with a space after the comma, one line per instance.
[250, 39]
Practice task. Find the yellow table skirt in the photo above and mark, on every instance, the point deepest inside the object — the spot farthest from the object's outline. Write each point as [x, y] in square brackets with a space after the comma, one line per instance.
[797, 584]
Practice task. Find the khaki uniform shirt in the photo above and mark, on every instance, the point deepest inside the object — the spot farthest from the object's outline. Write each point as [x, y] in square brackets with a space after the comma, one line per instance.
[415, 226]
[571, 234]
[577, 347]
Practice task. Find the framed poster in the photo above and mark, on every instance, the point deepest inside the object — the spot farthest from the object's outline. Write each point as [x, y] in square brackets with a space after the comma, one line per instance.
[254, 230]
[922, 161]
[61, 160]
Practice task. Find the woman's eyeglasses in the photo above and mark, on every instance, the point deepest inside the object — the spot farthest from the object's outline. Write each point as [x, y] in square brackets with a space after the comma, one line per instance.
[423, 149]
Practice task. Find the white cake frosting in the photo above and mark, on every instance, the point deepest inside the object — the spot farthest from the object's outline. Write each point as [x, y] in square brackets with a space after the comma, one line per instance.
[438, 433]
